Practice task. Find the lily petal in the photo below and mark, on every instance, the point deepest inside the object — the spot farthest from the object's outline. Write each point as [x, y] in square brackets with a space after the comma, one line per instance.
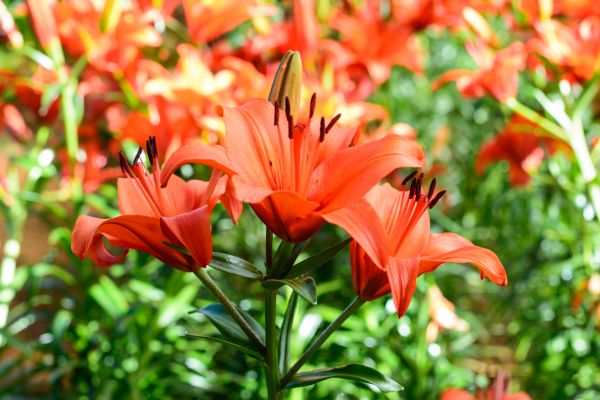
[288, 215]
[362, 223]
[192, 231]
[87, 241]
[211, 155]
[450, 247]
[352, 172]
[402, 274]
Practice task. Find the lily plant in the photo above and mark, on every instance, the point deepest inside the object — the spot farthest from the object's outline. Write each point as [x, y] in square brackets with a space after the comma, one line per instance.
[296, 175]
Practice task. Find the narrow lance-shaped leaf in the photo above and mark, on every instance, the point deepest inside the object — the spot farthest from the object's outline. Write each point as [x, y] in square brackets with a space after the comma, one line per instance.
[353, 372]
[228, 327]
[304, 286]
[243, 347]
[236, 266]
[286, 332]
[314, 262]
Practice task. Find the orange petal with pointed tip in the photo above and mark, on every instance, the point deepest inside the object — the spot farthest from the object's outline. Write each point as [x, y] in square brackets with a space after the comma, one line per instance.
[450, 247]
[402, 274]
[352, 172]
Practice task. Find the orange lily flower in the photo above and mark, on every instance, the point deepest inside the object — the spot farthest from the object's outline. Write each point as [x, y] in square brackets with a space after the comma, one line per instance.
[522, 145]
[575, 48]
[367, 39]
[109, 44]
[498, 74]
[156, 220]
[295, 176]
[498, 390]
[207, 20]
[410, 248]
[441, 312]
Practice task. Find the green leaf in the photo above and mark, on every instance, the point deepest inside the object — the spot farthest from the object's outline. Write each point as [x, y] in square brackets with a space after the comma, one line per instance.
[172, 309]
[352, 372]
[228, 327]
[304, 286]
[236, 266]
[109, 296]
[244, 348]
[286, 332]
[314, 262]
[588, 95]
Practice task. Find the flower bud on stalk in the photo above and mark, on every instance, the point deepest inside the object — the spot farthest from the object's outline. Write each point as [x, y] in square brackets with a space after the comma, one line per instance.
[288, 82]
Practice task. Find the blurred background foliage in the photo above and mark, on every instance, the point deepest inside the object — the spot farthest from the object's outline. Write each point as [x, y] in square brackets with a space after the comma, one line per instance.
[79, 331]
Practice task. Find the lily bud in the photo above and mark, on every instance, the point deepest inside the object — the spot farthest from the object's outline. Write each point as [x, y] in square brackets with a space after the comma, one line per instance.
[288, 82]
[480, 26]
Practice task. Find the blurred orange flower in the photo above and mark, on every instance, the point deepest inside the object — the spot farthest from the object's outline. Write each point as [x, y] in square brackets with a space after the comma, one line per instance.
[522, 146]
[399, 227]
[295, 176]
[497, 73]
[157, 220]
[441, 312]
[498, 390]
[575, 48]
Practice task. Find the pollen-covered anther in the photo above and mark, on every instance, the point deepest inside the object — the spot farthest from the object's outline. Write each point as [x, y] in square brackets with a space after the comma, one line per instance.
[437, 198]
[431, 189]
[276, 117]
[313, 104]
[332, 123]
[138, 156]
[418, 185]
[409, 177]
[151, 149]
[124, 164]
[289, 117]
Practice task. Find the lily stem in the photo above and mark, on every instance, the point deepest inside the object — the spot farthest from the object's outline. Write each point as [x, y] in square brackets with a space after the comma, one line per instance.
[231, 310]
[323, 336]
[271, 333]
[268, 249]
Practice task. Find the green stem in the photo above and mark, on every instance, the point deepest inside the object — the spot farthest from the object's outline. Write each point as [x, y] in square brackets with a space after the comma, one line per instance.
[271, 332]
[231, 310]
[332, 327]
[268, 249]
[584, 159]
[526, 112]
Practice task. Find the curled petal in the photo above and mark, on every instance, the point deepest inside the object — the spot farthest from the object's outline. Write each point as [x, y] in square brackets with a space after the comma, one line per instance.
[86, 240]
[450, 247]
[211, 155]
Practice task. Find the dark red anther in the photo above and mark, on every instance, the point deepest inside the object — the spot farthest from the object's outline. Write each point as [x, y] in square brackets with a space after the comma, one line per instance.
[431, 188]
[413, 186]
[409, 177]
[276, 119]
[418, 187]
[332, 122]
[437, 198]
[123, 162]
[290, 123]
[288, 108]
[151, 149]
[322, 130]
[313, 104]
[136, 159]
